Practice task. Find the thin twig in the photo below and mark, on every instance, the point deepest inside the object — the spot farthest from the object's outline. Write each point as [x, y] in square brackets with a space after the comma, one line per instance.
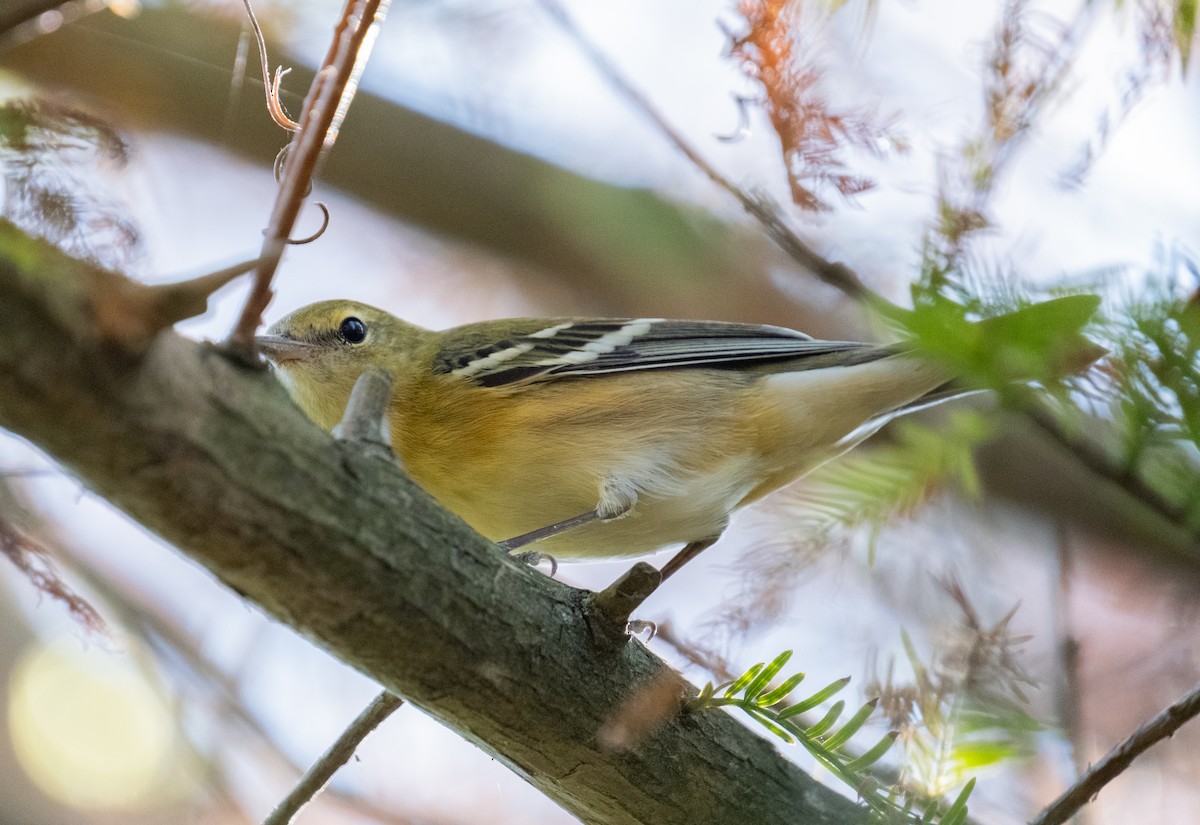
[613, 605]
[366, 417]
[1070, 687]
[1119, 758]
[339, 754]
[271, 85]
[31, 472]
[1098, 461]
[321, 106]
[759, 207]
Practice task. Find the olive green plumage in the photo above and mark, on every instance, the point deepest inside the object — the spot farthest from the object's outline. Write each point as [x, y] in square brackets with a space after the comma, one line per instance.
[520, 423]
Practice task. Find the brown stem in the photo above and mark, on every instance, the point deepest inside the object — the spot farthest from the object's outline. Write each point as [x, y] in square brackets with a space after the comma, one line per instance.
[319, 113]
[339, 753]
[614, 604]
[1097, 461]
[1119, 758]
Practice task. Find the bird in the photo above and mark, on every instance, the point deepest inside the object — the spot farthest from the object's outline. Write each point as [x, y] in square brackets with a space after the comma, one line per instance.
[636, 433]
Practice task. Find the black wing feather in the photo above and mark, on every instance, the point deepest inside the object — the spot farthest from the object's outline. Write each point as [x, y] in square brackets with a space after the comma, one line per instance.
[541, 349]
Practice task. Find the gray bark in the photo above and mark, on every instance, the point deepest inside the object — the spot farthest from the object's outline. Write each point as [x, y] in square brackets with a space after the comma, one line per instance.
[335, 541]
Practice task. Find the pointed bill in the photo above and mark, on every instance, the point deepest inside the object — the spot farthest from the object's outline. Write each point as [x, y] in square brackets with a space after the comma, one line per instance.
[278, 348]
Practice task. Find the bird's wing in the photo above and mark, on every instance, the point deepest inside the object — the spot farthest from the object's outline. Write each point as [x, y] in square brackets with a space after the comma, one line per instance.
[540, 349]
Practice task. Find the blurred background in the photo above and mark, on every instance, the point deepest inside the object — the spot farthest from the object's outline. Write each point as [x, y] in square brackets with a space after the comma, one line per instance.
[487, 169]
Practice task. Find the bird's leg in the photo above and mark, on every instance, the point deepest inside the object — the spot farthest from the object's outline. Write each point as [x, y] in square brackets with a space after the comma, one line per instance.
[689, 552]
[517, 542]
[617, 499]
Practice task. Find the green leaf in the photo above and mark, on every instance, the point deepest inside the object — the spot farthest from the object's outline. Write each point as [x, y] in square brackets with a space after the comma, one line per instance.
[1045, 320]
[974, 754]
[764, 677]
[956, 814]
[1039, 342]
[743, 680]
[814, 700]
[852, 726]
[920, 673]
[1185, 29]
[873, 755]
[827, 721]
[770, 724]
[780, 693]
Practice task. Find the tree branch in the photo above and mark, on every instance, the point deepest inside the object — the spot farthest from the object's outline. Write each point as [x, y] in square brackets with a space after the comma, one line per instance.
[1119, 758]
[334, 540]
[339, 753]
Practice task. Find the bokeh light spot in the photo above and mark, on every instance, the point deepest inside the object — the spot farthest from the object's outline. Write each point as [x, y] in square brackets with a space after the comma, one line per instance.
[89, 729]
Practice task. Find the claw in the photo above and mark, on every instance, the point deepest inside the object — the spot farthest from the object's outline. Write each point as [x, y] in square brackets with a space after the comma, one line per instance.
[533, 558]
[636, 627]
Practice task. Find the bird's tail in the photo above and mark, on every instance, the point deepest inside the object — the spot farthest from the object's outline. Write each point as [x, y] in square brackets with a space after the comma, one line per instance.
[1043, 343]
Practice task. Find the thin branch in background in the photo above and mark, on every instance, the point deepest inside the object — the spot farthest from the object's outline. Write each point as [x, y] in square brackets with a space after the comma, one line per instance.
[325, 104]
[1162, 726]
[763, 210]
[237, 81]
[19, 13]
[339, 754]
[1070, 688]
[1133, 86]
[1167, 34]
[1098, 461]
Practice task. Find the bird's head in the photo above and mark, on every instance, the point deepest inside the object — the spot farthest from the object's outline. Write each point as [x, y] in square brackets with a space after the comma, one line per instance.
[320, 350]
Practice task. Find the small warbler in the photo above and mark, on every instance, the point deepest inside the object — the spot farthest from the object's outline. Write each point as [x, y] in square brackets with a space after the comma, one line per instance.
[657, 430]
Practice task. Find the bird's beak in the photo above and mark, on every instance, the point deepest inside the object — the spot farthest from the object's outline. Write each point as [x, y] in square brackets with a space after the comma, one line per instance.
[278, 349]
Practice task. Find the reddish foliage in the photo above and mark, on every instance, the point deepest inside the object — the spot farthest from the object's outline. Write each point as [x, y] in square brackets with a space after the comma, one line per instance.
[33, 560]
[812, 133]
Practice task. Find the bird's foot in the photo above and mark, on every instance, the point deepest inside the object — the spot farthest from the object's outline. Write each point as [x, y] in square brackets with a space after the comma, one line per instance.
[533, 558]
[636, 627]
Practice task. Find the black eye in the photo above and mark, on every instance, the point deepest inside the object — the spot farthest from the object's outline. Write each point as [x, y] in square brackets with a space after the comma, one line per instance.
[353, 331]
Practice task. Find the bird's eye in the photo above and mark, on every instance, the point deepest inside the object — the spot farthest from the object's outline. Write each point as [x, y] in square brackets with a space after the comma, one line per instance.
[352, 331]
